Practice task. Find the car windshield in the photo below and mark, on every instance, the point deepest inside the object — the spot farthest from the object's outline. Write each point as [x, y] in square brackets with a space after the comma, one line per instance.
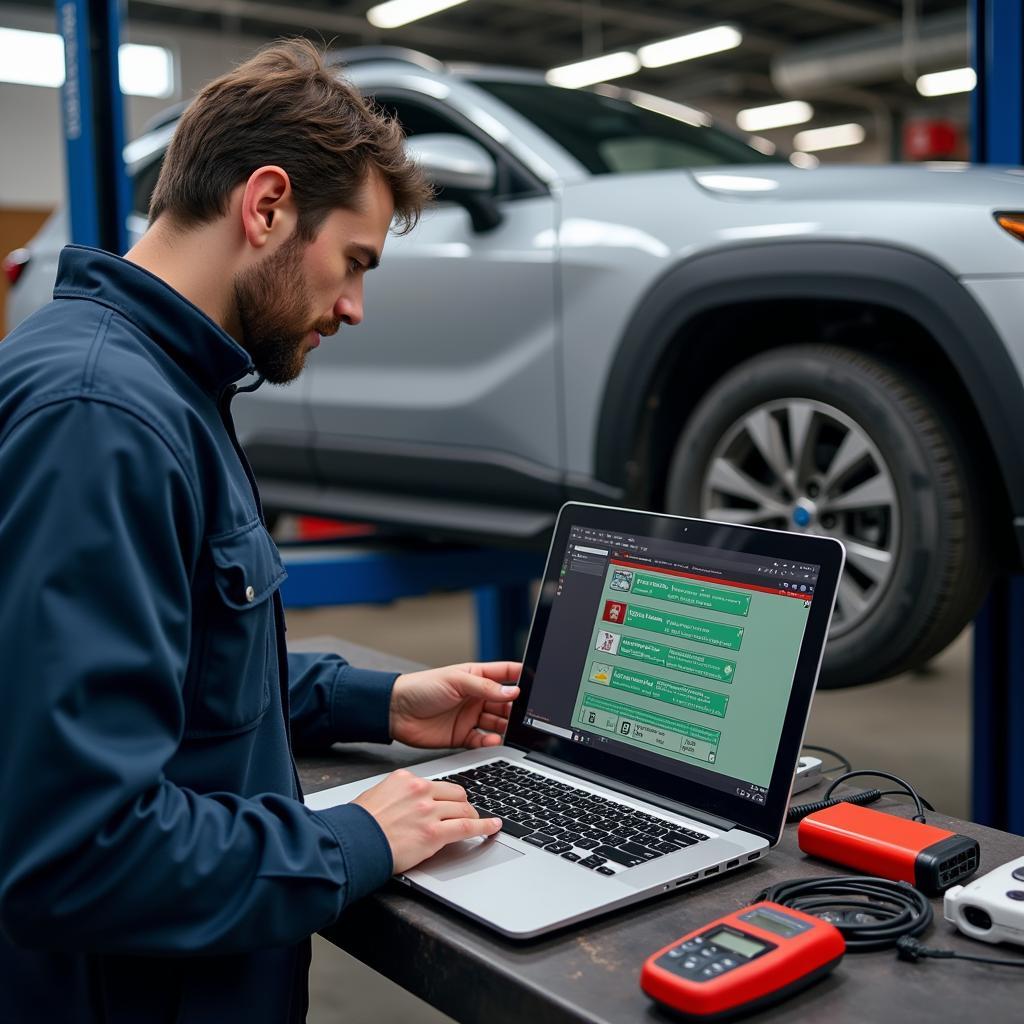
[618, 135]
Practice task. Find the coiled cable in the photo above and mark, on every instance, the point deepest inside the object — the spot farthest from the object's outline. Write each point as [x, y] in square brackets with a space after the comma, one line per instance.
[800, 811]
[871, 913]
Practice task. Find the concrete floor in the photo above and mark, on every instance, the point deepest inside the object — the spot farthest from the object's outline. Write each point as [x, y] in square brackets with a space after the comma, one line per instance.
[916, 725]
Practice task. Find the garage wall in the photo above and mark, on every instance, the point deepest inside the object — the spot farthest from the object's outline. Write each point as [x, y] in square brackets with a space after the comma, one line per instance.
[32, 172]
[32, 162]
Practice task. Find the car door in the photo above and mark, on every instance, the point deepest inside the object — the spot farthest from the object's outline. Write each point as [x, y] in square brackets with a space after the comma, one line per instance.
[449, 385]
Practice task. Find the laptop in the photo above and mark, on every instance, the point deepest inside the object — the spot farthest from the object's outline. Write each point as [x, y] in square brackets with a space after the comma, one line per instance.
[665, 690]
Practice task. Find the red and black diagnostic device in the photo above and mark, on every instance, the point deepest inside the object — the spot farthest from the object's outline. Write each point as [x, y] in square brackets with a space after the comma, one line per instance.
[931, 859]
[746, 960]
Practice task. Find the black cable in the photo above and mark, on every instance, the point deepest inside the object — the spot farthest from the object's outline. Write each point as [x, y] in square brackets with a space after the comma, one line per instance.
[881, 775]
[844, 762]
[911, 949]
[800, 811]
[903, 792]
[871, 913]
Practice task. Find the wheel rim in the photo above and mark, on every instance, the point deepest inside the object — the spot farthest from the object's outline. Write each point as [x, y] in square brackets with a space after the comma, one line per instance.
[806, 467]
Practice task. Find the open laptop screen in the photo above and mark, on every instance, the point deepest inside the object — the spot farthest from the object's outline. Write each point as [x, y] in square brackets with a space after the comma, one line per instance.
[671, 648]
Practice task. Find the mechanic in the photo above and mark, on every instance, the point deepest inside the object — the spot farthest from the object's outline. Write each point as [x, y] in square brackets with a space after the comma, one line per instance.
[156, 860]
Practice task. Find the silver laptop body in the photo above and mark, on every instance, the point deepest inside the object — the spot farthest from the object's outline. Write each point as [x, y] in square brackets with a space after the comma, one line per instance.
[666, 686]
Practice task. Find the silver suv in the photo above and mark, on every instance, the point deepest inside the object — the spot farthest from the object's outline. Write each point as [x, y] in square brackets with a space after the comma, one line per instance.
[614, 301]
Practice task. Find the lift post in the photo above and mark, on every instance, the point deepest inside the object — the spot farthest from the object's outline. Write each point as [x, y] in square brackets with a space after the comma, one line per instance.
[93, 113]
[997, 136]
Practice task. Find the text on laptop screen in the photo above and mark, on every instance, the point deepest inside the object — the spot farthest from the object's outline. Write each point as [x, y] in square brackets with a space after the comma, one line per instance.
[674, 655]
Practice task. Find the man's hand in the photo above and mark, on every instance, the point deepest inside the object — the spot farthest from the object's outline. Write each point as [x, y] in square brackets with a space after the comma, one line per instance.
[456, 706]
[419, 816]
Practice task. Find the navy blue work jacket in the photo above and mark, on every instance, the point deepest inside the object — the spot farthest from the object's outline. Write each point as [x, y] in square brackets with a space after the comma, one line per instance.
[156, 861]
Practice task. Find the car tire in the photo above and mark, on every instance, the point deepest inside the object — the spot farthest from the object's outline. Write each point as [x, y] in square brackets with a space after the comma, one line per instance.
[807, 438]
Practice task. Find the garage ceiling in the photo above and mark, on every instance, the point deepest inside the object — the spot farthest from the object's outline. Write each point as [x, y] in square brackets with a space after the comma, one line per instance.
[853, 59]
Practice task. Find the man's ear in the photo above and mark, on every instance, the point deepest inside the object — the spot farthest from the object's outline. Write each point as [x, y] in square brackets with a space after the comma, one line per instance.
[268, 207]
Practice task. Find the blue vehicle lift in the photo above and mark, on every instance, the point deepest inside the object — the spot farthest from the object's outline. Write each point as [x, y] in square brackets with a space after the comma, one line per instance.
[354, 572]
[93, 113]
[99, 201]
[997, 778]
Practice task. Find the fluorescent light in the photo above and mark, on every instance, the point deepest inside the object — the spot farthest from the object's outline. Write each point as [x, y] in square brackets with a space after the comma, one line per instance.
[31, 58]
[806, 161]
[834, 137]
[401, 12]
[762, 145]
[597, 69]
[677, 111]
[775, 115]
[37, 58]
[145, 70]
[694, 44]
[942, 83]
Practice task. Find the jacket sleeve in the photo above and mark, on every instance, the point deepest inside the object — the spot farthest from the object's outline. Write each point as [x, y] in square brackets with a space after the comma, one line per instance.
[334, 702]
[99, 851]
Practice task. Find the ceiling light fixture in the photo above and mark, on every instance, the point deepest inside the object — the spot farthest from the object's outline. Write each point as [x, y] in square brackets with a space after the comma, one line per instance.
[762, 145]
[805, 161]
[690, 46]
[400, 12]
[597, 69]
[833, 137]
[943, 83]
[775, 115]
[669, 108]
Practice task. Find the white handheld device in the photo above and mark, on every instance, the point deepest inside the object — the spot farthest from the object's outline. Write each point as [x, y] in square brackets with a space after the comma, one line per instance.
[990, 908]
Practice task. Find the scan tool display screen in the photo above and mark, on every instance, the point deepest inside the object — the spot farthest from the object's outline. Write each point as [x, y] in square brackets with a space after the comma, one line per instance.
[673, 654]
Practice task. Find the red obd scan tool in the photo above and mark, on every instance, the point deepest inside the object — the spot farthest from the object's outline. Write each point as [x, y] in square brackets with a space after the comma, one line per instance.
[742, 962]
[930, 858]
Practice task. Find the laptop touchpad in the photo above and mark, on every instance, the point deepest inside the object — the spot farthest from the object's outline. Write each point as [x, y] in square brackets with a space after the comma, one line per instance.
[463, 858]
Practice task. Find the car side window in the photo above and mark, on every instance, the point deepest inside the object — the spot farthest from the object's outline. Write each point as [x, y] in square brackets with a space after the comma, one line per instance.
[423, 118]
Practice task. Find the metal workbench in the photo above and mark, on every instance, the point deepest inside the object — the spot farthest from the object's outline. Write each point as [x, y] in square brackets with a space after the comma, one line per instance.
[589, 972]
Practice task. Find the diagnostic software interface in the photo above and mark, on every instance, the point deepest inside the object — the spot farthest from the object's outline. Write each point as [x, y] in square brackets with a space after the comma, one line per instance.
[663, 651]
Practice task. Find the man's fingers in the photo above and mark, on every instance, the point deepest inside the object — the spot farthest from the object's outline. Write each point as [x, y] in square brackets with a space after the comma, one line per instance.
[476, 739]
[497, 671]
[485, 689]
[447, 791]
[446, 809]
[499, 708]
[467, 828]
[492, 723]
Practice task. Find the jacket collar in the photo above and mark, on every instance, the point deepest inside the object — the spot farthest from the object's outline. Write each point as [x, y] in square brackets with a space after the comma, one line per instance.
[206, 351]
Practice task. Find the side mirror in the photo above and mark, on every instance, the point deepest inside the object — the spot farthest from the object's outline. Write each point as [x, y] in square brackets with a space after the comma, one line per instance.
[464, 169]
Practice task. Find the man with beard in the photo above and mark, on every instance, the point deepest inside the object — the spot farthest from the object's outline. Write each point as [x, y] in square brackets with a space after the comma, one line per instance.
[156, 860]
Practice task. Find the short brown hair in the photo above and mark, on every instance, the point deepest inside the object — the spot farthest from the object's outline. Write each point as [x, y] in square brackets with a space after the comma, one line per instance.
[285, 106]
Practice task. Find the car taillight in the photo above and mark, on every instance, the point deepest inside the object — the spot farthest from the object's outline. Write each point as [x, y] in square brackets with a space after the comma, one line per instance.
[15, 262]
[1013, 223]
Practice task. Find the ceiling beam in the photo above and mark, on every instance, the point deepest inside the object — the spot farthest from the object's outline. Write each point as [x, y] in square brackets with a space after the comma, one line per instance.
[861, 13]
[305, 19]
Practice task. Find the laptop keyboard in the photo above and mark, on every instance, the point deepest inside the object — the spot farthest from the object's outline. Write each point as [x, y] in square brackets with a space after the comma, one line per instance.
[575, 824]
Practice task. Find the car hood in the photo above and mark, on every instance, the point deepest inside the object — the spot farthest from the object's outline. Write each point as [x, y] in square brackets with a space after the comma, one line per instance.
[993, 187]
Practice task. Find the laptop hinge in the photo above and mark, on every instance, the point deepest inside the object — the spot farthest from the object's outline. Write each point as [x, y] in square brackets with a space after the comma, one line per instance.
[722, 824]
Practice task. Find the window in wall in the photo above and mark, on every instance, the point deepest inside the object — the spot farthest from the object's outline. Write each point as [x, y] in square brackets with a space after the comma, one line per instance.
[37, 58]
